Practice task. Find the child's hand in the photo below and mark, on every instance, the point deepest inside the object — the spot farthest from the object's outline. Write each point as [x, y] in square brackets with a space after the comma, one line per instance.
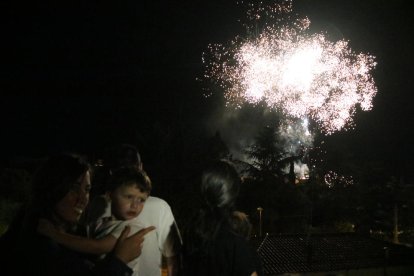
[45, 227]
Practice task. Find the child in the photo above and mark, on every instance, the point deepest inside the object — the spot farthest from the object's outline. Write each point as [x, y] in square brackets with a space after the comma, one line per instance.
[161, 249]
[127, 191]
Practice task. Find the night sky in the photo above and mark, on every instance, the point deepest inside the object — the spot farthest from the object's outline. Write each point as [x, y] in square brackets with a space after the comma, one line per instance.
[78, 75]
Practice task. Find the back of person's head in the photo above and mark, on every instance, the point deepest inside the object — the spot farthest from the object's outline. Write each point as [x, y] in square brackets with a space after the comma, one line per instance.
[123, 155]
[220, 185]
[219, 189]
[54, 179]
[129, 176]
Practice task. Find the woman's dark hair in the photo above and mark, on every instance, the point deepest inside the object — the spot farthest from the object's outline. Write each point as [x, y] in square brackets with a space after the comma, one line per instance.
[129, 176]
[51, 182]
[54, 180]
[219, 189]
[220, 185]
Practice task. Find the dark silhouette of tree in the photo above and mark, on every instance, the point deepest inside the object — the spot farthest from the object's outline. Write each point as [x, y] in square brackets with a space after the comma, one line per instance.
[216, 148]
[267, 154]
[266, 185]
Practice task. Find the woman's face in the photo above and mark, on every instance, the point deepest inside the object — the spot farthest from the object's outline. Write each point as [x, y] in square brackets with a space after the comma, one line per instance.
[70, 207]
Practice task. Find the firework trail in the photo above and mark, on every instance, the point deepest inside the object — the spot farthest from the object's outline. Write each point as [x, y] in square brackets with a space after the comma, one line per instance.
[299, 74]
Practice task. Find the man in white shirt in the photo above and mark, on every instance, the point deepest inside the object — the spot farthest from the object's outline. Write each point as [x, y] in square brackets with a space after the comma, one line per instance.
[161, 245]
[164, 242]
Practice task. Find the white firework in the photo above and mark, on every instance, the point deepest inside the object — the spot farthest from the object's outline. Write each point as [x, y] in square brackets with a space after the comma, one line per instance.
[302, 75]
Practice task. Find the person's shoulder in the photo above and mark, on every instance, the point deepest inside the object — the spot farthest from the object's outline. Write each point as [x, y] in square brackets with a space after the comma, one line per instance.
[155, 199]
[156, 202]
[135, 226]
[156, 211]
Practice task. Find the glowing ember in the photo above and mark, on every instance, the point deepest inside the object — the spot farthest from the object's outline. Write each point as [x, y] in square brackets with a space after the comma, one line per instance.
[302, 75]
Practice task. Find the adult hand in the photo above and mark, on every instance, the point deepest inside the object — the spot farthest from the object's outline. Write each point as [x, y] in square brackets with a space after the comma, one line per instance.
[129, 248]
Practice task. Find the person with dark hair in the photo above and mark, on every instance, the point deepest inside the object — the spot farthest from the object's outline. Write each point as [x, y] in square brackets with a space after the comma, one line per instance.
[161, 245]
[60, 193]
[124, 155]
[212, 244]
[127, 191]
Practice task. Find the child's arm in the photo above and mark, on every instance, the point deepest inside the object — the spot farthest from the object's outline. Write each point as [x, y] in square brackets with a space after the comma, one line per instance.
[77, 243]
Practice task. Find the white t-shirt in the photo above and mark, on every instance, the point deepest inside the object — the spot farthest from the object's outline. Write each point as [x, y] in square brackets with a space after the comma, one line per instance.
[165, 240]
[111, 226]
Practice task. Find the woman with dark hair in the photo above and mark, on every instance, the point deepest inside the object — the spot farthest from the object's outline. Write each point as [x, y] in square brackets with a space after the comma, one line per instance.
[60, 193]
[211, 245]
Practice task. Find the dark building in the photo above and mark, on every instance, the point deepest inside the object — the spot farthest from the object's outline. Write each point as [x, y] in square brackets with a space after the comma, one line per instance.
[333, 254]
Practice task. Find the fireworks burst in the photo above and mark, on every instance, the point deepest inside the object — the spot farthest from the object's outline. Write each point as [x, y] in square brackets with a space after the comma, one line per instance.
[302, 75]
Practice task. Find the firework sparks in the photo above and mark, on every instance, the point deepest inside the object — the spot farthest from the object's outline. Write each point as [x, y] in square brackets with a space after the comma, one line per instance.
[332, 178]
[295, 136]
[303, 75]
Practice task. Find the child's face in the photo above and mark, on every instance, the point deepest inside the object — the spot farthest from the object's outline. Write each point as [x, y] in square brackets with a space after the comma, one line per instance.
[127, 202]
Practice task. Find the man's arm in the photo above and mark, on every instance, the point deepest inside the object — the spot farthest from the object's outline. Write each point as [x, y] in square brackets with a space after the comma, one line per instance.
[172, 250]
[172, 265]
